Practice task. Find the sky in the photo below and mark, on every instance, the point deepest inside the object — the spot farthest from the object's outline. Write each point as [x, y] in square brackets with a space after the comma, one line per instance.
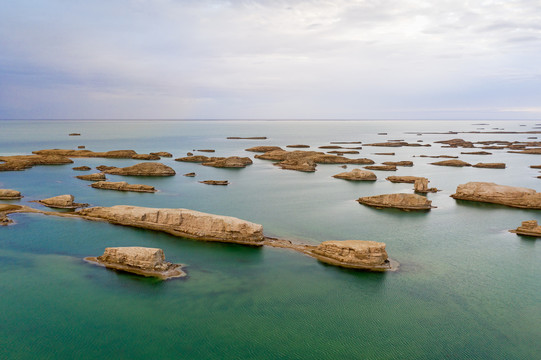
[282, 59]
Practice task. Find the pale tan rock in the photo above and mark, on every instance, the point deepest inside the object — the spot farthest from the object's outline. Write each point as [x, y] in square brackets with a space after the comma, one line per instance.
[263, 148]
[528, 228]
[143, 169]
[139, 260]
[357, 175]
[298, 146]
[357, 254]
[397, 201]
[9, 194]
[398, 163]
[455, 163]
[499, 194]
[195, 158]
[123, 186]
[92, 177]
[61, 202]
[403, 179]
[421, 186]
[229, 162]
[145, 157]
[181, 222]
[23, 162]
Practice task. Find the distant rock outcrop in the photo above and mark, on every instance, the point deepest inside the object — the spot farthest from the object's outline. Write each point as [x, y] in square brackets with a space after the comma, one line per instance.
[9, 194]
[61, 202]
[357, 254]
[113, 154]
[162, 154]
[490, 165]
[82, 168]
[455, 163]
[123, 186]
[92, 177]
[229, 162]
[180, 222]
[357, 175]
[499, 194]
[421, 186]
[139, 260]
[528, 228]
[143, 169]
[403, 179]
[397, 201]
[23, 162]
[398, 163]
[381, 167]
[263, 149]
[215, 182]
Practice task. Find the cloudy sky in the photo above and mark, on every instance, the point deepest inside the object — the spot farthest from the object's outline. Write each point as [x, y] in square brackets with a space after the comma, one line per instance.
[282, 59]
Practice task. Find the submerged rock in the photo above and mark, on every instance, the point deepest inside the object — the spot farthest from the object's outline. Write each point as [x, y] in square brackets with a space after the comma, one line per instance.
[357, 254]
[215, 182]
[397, 201]
[499, 194]
[61, 202]
[180, 222]
[143, 169]
[123, 186]
[357, 175]
[528, 228]
[9, 194]
[139, 260]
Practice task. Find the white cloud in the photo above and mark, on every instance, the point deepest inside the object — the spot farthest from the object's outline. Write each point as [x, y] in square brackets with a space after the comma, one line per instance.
[289, 59]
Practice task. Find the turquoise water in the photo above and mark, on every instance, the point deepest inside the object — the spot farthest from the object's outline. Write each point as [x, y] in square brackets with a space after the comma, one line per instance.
[466, 288]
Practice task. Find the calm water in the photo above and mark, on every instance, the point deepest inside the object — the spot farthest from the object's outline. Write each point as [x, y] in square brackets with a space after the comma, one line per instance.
[466, 289]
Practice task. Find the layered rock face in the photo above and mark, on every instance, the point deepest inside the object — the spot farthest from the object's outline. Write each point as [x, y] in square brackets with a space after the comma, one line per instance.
[92, 177]
[353, 254]
[122, 186]
[398, 201]
[8, 194]
[181, 222]
[528, 228]
[139, 260]
[357, 175]
[421, 186]
[499, 194]
[143, 169]
[61, 202]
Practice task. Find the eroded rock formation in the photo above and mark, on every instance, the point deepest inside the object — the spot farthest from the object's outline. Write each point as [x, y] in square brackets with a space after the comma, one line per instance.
[23, 162]
[180, 222]
[528, 228]
[455, 163]
[82, 168]
[263, 149]
[229, 162]
[215, 182]
[138, 260]
[357, 175]
[398, 163]
[403, 179]
[381, 167]
[92, 177]
[398, 201]
[499, 194]
[143, 169]
[490, 165]
[9, 194]
[61, 202]
[122, 186]
[356, 254]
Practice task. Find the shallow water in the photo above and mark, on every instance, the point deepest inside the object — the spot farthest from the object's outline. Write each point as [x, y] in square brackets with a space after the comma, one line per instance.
[466, 288]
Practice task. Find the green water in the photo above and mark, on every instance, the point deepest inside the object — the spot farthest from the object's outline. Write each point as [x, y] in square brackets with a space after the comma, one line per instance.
[466, 288]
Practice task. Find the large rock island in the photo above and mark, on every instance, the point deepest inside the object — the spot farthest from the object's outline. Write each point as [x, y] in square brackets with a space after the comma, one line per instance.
[499, 194]
[143, 169]
[398, 201]
[356, 254]
[139, 260]
[180, 222]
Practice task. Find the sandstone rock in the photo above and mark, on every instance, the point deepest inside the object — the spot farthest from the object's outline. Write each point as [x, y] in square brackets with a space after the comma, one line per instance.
[535, 166]
[92, 177]
[346, 142]
[61, 202]
[82, 168]
[456, 143]
[8, 194]
[263, 149]
[490, 165]
[357, 175]
[6, 209]
[181, 222]
[229, 162]
[215, 182]
[139, 260]
[297, 146]
[398, 163]
[189, 154]
[162, 154]
[330, 147]
[535, 151]
[455, 163]
[192, 174]
[195, 158]
[207, 150]
[343, 152]
[397, 144]
[22, 162]
[81, 147]
[381, 167]
[477, 153]
[145, 157]
[403, 179]
[357, 254]
[123, 186]
[528, 228]
[439, 156]
[143, 169]
[421, 186]
[114, 154]
[104, 167]
[307, 159]
[499, 194]
[398, 201]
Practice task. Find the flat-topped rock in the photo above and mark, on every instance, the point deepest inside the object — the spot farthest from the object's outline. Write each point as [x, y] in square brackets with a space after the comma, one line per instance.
[499, 194]
[145, 157]
[162, 154]
[476, 153]
[263, 148]
[357, 254]
[23, 162]
[61, 202]
[298, 146]
[9, 194]
[398, 201]
[215, 182]
[180, 222]
[192, 174]
[454, 143]
[535, 151]
[247, 138]
[343, 152]
[357, 175]
[398, 163]
[455, 163]
[528, 228]
[421, 186]
[490, 165]
[123, 186]
[143, 169]
[139, 260]
[229, 162]
[381, 167]
[194, 158]
[92, 177]
[105, 167]
[82, 168]
[403, 179]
